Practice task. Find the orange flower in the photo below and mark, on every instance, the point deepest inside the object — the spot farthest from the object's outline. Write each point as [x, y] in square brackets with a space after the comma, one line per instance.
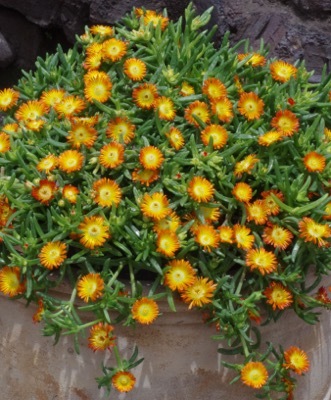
[278, 296]
[250, 106]
[255, 60]
[176, 138]
[52, 97]
[277, 236]
[151, 17]
[111, 155]
[186, 89]
[47, 163]
[199, 293]
[200, 189]
[98, 88]
[106, 192]
[282, 71]
[151, 157]
[70, 161]
[145, 95]
[69, 106]
[214, 89]
[114, 49]
[171, 222]
[285, 122]
[10, 281]
[145, 310]
[269, 138]
[102, 30]
[53, 254]
[257, 212]
[180, 275]
[167, 243]
[165, 108]
[327, 212]
[242, 236]
[123, 381]
[314, 162]
[223, 109]
[38, 315]
[145, 176]
[121, 130]
[45, 191]
[90, 287]
[264, 261]
[226, 234]
[82, 134]
[4, 142]
[31, 114]
[245, 165]
[207, 237]
[101, 336]
[270, 204]
[209, 214]
[217, 133]
[322, 296]
[254, 374]
[135, 69]
[70, 193]
[242, 192]
[312, 231]
[8, 99]
[155, 206]
[197, 109]
[296, 360]
[94, 231]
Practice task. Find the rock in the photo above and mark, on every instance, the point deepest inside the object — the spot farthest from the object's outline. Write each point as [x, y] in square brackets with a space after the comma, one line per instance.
[6, 53]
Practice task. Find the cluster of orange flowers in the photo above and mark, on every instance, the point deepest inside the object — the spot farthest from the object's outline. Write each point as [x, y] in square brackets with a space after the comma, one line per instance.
[131, 160]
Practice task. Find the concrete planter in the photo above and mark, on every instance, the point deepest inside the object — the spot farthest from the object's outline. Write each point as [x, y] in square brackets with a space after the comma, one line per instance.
[181, 360]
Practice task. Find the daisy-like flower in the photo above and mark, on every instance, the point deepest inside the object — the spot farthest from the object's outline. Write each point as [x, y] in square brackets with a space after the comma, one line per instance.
[257, 212]
[52, 97]
[155, 19]
[282, 71]
[207, 237]
[200, 189]
[322, 296]
[94, 232]
[176, 138]
[53, 254]
[312, 231]
[167, 243]
[47, 164]
[93, 61]
[45, 192]
[155, 205]
[277, 236]
[254, 374]
[70, 193]
[269, 138]
[186, 89]
[327, 133]
[285, 122]
[69, 106]
[223, 109]
[262, 260]
[199, 293]
[4, 142]
[243, 237]
[278, 296]
[101, 336]
[327, 212]
[38, 315]
[209, 214]
[145, 310]
[145, 176]
[114, 49]
[170, 223]
[242, 192]
[135, 69]
[10, 128]
[226, 234]
[150, 157]
[10, 281]
[111, 155]
[123, 381]
[314, 162]
[106, 192]
[31, 114]
[245, 166]
[197, 109]
[165, 108]
[70, 161]
[121, 130]
[98, 88]
[82, 134]
[90, 287]
[255, 60]
[218, 134]
[270, 204]
[5, 210]
[214, 89]
[102, 30]
[180, 275]
[8, 98]
[296, 360]
[145, 95]
[250, 105]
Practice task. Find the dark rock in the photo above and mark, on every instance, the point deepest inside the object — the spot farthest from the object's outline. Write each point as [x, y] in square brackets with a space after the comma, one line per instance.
[6, 53]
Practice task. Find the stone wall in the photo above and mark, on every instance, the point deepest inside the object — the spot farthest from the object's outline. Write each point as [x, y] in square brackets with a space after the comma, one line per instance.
[293, 29]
